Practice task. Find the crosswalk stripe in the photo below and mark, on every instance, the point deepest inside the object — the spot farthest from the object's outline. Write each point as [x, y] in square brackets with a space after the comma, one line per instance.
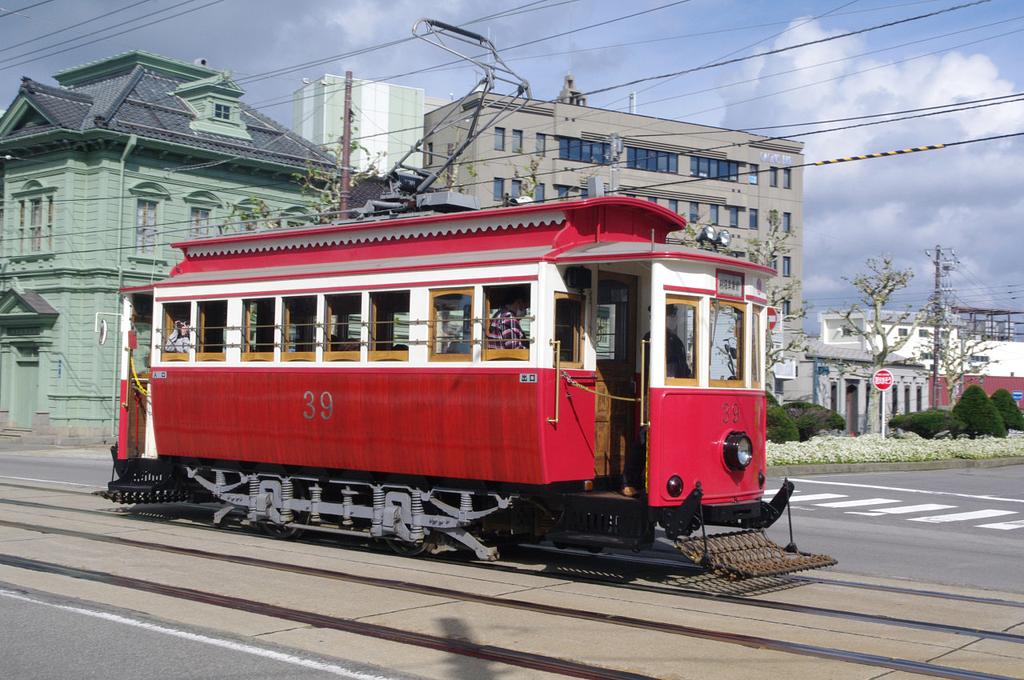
[816, 497]
[907, 509]
[1005, 526]
[963, 516]
[857, 504]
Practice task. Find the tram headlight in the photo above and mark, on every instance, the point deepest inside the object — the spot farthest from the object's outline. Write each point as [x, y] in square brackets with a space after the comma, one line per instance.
[738, 451]
[674, 486]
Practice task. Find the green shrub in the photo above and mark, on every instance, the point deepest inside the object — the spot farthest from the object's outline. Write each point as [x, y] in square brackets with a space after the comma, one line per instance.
[781, 427]
[810, 419]
[1007, 407]
[772, 401]
[928, 423]
[979, 414]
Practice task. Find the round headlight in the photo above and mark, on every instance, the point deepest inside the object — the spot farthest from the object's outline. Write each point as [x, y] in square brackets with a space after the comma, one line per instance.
[674, 486]
[738, 451]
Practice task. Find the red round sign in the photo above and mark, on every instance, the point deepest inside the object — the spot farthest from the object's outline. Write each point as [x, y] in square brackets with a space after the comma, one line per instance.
[773, 318]
[882, 379]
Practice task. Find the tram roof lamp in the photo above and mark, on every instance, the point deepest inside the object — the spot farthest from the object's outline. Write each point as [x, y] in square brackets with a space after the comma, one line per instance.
[706, 234]
[724, 238]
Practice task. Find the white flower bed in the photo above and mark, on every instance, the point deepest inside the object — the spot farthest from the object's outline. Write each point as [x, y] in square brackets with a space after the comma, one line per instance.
[871, 448]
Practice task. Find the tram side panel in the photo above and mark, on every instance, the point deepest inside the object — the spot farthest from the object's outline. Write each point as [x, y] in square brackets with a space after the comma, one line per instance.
[688, 433]
[467, 424]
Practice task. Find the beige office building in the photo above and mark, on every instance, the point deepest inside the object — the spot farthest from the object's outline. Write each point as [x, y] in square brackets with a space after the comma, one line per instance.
[727, 178]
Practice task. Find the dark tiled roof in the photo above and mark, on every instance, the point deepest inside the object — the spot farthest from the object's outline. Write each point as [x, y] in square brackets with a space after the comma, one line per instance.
[141, 101]
[37, 303]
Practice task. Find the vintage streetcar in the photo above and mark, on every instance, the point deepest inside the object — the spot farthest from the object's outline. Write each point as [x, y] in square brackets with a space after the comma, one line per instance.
[460, 381]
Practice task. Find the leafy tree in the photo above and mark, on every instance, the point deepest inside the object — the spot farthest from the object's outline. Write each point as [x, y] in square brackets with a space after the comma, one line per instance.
[1007, 407]
[781, 427]
[979, 414]
[876, 288]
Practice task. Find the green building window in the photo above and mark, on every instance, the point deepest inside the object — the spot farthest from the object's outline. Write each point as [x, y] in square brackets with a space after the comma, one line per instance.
[222, 111]
[145, 226]
[200, 223]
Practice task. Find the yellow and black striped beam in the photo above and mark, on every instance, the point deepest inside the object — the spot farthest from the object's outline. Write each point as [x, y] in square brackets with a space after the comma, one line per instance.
[882, 154]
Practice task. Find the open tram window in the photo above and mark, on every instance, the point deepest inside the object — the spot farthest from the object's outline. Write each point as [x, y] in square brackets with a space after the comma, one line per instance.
[258, 329]
[298, 332]
[213, 323]
[569, 329]
[389, 330]
[727, 355]
[451, 325]
[142, 325]
[509, 328]
[612, 333]
[757, 339]
[176, 337]
[343, 326]
[681, 345]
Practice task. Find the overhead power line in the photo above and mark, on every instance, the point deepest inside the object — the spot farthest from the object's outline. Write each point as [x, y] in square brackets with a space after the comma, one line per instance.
[7, 13]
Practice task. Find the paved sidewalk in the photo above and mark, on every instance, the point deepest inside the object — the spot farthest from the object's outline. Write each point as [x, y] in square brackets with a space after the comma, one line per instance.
[97, 451]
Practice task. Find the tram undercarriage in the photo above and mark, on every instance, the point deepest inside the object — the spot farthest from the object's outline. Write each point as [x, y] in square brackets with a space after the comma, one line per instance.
[414, 520]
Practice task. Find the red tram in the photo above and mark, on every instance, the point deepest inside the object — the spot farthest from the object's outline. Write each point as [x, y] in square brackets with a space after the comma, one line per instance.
[449, 381]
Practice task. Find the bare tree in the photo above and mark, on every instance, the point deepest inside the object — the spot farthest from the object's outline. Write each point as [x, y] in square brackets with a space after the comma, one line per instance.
[321, 184]
[877, 330]
[957, 357]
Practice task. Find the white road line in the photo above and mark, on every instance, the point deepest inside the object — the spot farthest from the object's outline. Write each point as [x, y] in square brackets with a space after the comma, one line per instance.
[815, 497]
[1005, 526]
[897, 488]
[334, 669]
[962, 516]
[48, 481]
[857, 504]
[907, 509]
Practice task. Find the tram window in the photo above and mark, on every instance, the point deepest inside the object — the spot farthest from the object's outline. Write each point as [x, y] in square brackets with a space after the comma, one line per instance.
[298, 332]
[389, 331]
[509, 326]
[726, 343]
[258, 329]
[451, 325]
[344, 325]
[611, 336]
[569, 328]
[213, 323]
[681, 341]
[142, 324]
[176, 337]
[757, 339]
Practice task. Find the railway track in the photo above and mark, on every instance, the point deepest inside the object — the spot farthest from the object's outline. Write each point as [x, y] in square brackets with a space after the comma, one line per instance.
[757, 642]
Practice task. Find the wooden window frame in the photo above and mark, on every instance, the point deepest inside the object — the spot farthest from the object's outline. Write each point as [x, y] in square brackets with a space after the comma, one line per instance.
[580, 333]
[256, 356]
[341, 355]
[502, 354]
[695, 303]
[201, 325]
[741, 346]
[386, 355]
[432, 332]
[757, 338]
[168, 328]
[286, 322]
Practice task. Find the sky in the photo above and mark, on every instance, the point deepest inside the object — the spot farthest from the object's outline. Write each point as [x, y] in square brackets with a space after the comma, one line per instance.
[967, 198]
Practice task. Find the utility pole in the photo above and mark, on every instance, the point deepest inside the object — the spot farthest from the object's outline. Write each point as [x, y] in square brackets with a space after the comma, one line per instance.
[944, 264]
[615, 146]
[346, 145]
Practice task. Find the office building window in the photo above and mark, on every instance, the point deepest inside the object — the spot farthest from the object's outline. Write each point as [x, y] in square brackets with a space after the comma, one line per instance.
[787, 178]
[572, 149]
[562, 190]
[653, 199]
[649, 159]
[773, 177]
[694, 212]
[517, 188]
[786, 266]
[673, 205]
[785, 308]
[752, 214]
[542, 143]
[498, 193]
[713, 217]
[752, 170]
[499, 139]
[517, 141]
[714, 168]
[734, 216]
[787, 222]
[538, 193]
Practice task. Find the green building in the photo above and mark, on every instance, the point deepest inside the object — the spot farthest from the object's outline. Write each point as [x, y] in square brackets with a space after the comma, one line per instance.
[100, 174]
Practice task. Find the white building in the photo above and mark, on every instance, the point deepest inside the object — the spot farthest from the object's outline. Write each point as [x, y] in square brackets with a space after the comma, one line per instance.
[387, 119]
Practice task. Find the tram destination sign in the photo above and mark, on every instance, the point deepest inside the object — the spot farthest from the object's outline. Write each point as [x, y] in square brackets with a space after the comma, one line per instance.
[882, 379]
[730, 284]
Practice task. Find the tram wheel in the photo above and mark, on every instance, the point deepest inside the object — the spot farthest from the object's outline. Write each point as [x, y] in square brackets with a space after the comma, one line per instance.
[406, 549]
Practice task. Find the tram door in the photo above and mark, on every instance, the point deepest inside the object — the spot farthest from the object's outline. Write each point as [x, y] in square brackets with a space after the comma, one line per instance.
[615, 340]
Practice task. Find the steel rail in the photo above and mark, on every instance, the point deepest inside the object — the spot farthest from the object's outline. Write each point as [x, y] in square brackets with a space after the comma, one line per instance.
[756, 642]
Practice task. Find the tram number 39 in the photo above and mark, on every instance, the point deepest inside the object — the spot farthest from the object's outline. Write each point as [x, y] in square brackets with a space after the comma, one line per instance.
[324, 405]
[730, 413]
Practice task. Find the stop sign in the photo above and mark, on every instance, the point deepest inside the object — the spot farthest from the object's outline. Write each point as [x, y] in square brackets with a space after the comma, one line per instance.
[882, 379]
[773, 318]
